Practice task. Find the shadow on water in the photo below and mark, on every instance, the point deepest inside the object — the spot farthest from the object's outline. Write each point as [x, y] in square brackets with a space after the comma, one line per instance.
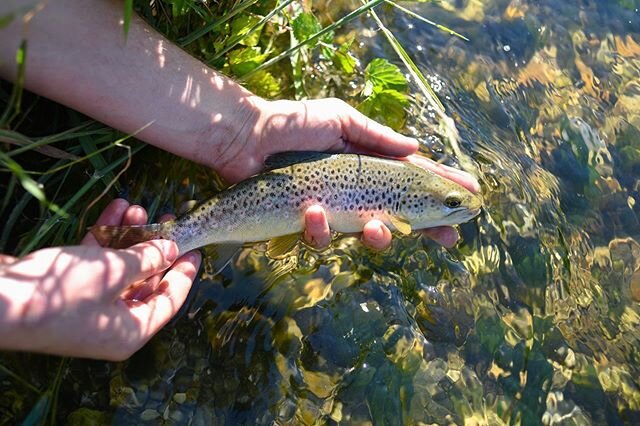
[534, 317]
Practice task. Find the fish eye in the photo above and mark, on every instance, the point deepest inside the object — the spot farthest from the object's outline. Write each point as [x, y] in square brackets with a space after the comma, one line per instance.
[452, 202]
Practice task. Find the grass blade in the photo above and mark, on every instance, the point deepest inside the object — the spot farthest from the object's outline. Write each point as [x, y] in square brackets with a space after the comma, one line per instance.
[236, 40]
[213, 25]
[96, 177]
[15, 101]
[39, 412]
[15, 214]
[417, 75]
[127, 13]
[448, 125]
[425, 20]
[18, 379]
[30, 185]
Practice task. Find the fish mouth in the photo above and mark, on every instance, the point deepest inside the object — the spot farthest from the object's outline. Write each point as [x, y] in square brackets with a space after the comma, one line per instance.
[470, 212]
[474, 212]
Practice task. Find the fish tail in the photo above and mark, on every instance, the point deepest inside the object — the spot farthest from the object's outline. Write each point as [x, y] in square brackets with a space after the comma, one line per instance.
[125, 236]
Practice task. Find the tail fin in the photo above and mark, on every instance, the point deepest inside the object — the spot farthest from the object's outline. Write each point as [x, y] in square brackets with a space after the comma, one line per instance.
[125, 236]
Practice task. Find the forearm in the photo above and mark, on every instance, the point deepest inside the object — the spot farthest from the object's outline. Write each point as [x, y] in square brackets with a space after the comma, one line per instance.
[14, 297]
[77, 55]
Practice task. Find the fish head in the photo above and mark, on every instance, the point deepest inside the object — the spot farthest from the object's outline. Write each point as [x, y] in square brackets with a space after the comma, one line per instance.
[439, 202]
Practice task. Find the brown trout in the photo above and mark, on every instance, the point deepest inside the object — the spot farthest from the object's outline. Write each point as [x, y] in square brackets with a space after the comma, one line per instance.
[352, 188]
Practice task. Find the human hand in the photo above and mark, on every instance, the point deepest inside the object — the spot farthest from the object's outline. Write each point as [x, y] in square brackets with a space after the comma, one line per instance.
[332, 125]
[87, 301]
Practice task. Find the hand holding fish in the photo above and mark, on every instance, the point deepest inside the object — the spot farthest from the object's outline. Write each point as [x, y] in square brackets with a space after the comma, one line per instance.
[93, 302]
[331, 125]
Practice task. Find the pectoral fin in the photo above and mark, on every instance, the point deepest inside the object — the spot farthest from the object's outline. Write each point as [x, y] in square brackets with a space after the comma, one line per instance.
[401, 224]
[219, 256]
[278, 247]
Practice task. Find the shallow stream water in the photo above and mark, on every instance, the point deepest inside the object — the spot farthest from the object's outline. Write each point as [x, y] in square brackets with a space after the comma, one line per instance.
[533, 318]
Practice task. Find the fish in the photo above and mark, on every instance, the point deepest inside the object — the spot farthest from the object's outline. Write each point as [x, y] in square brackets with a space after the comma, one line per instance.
[352, 188]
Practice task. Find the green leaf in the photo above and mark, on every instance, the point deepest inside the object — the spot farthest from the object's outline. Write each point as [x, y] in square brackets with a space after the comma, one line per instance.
[337, 24]
[305, 26]
[263, 7]
[243, 25]
[386, 106]
[263, 84]
[241, 61]
[342, 58]
[380, 74]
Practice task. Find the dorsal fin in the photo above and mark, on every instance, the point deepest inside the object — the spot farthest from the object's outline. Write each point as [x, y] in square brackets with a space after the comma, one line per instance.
[285, 159]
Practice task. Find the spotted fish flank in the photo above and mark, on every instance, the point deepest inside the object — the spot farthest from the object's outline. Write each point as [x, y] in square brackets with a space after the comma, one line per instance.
[352, 188]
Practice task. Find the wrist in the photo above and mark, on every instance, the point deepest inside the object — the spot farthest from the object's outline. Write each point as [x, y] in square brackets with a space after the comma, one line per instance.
[235, 144]
[280, 127]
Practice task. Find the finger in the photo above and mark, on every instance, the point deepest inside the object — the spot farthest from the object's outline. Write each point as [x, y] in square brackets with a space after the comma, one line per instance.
[142, 290]
[316, 227]
[7, 260]
[111, 216]
[459, 176]
[358, 129]
[446, 236]
[376, 235]
[161, 305]
[134, 215]
[138, 263]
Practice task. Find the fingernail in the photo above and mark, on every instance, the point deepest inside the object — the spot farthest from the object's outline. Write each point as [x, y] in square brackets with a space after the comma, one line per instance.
[192, 257]
[378, 234]
[170, 250]
[316, 219]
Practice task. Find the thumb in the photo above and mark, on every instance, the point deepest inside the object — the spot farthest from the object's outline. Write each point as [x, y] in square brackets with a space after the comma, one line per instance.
[142, 261]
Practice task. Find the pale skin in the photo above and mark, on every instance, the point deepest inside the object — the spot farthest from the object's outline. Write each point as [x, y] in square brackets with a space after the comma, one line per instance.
[77, 55]
[87, 301]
